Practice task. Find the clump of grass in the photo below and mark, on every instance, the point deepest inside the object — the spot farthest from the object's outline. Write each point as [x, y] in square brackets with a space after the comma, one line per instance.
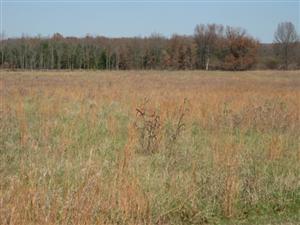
[176, 126]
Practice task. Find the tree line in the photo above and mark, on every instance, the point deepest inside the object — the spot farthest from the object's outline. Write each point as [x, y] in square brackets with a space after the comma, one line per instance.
[212, 47]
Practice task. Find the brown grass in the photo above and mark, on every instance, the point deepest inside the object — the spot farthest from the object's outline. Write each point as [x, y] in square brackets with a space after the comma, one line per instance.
[82, 147]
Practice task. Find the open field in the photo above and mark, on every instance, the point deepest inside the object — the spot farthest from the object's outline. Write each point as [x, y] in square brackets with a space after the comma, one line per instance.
[150, 148]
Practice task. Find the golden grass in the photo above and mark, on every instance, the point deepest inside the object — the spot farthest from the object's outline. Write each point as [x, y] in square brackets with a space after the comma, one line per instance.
[224, 147]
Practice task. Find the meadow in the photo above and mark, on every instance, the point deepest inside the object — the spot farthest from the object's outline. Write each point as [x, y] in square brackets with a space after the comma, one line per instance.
[149, 147]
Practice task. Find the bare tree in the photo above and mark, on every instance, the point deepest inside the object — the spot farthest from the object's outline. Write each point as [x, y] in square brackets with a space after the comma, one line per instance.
[205, 38]
[285, 41]
[2, 37]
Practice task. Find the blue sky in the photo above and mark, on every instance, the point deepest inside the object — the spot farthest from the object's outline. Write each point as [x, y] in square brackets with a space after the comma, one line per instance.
[141, 18]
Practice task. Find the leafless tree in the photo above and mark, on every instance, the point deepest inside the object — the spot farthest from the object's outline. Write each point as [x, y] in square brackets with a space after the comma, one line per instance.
[285, 41]
[205, 37]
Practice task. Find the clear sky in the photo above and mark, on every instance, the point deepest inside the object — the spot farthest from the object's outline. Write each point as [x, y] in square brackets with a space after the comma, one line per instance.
[141, 18]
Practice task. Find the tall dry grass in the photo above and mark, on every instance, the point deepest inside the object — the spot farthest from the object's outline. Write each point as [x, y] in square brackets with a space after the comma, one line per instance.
[158, 147]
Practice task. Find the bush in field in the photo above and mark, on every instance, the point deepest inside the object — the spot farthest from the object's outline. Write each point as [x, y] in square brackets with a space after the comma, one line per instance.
[148, 126]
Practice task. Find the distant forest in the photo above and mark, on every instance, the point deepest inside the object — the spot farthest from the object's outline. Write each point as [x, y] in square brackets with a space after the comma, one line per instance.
[212, 47]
